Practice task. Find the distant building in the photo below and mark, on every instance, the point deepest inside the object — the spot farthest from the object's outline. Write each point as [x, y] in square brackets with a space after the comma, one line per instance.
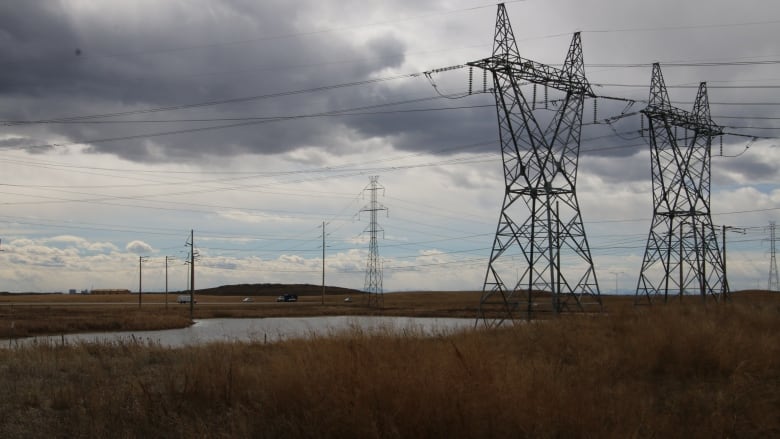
[111, 291]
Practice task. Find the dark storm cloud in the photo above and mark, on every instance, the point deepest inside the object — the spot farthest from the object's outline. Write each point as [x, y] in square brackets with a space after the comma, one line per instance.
[64, 59]
[63, 64]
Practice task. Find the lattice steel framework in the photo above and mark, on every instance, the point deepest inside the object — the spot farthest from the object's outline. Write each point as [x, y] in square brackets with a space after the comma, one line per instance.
[373, 281]
[682, 254]
[774, 280]
[540, 259]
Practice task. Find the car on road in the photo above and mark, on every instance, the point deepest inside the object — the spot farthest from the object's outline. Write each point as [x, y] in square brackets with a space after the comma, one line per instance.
[185, 298]
[287, 298]
[247, 299]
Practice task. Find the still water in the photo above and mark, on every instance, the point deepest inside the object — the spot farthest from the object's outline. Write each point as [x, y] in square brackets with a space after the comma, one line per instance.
[266, 330]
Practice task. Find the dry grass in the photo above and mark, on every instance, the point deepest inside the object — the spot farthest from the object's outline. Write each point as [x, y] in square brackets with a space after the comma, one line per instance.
[23, 321]
[674, 371]
[26, 315]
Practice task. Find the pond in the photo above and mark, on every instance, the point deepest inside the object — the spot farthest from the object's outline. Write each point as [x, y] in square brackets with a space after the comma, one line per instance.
[268, 330]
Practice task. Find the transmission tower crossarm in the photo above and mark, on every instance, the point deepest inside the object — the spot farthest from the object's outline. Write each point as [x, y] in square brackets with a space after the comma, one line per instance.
[660, 107]
[684, 119]
[536, 73]
[506, 59]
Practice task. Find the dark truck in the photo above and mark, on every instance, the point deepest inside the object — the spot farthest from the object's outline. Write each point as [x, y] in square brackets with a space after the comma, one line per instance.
[287, 298]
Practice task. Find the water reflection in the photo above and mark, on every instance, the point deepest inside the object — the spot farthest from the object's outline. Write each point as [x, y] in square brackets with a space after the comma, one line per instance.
[267, 330]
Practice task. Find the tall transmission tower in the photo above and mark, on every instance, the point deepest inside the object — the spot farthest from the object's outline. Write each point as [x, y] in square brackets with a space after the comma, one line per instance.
[682, 254]
[774, 281]
[540, 259]
[373, 282]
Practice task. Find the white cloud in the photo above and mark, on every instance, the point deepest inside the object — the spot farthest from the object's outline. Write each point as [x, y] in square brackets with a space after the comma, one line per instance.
[139, 247]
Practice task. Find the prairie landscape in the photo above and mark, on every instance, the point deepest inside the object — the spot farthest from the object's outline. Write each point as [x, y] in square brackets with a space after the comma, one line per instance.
[676, 370]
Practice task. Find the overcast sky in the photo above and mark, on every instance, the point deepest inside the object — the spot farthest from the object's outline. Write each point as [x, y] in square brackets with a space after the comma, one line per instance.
[126, 124]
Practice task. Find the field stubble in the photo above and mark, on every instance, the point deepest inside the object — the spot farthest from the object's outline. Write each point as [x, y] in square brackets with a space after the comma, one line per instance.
[666, 371]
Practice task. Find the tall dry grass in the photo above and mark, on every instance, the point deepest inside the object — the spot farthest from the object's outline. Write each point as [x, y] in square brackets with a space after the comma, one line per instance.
[24, 321]
[664, 372]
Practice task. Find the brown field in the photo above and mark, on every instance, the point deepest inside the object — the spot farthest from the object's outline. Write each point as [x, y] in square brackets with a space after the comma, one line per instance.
[679, 370]
[23, 315]
[26, 315]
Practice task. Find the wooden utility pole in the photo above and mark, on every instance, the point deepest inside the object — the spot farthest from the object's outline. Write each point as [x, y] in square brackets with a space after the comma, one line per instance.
[724, 229]
[140, 270]
[166, 283]
[323, 262]
[192, 272]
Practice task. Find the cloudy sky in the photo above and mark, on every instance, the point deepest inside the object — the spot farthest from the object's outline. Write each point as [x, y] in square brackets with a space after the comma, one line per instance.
[126, 124]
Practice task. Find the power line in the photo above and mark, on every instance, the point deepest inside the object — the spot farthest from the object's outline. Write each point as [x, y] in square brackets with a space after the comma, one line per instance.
[247, 122]
[281, 36]
[264, 118]
[225, 101]
[686, 64]
[738, 87]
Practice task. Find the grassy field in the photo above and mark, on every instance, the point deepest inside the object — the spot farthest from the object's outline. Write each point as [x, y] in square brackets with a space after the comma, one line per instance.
[679, 370]
[26, 315]
[54, 314]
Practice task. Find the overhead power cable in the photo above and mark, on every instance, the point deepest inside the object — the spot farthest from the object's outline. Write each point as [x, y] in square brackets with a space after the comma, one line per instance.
[684, 64]
[221, 101]
[218, 127]
[264, 118]
[709, 86]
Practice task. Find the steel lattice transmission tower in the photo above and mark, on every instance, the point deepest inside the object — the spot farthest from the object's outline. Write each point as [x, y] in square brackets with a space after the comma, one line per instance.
[540, 259]
[373, 282]
[774, 281]
[682, 254]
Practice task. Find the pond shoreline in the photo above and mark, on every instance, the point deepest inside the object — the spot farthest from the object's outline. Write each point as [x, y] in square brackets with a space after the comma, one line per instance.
[263, 329]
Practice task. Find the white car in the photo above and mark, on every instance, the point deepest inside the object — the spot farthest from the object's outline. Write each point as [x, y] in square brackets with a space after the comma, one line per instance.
[248, 299]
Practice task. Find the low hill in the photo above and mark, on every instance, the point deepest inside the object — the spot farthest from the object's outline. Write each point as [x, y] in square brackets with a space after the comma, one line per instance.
[275, 290]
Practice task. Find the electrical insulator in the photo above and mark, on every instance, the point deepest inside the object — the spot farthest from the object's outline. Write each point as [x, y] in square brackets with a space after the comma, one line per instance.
[484, 81]
[471, 78]
[641, 125]
[595, 109]
[721, 146]
[533, 104]
[545, 96]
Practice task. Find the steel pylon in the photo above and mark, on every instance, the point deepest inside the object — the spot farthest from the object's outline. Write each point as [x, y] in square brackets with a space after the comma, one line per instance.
[682, 254]
[540, 261]
[774, 281]
[373, 280]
